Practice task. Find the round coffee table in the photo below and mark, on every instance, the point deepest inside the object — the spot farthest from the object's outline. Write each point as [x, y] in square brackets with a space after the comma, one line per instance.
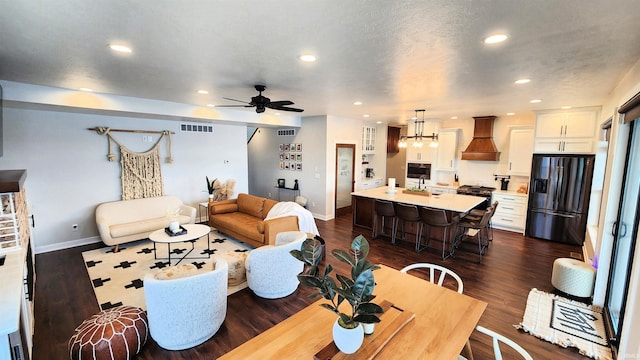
[194, 232]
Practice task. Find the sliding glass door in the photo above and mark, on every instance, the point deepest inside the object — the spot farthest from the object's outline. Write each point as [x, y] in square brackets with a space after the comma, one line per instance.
[626, 232]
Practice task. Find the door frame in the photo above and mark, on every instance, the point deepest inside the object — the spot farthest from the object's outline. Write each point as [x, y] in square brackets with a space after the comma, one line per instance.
[347, 209]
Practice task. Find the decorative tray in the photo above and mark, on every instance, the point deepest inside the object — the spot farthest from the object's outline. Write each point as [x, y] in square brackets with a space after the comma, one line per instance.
[391, 322]
[421, 193]
[178, 233]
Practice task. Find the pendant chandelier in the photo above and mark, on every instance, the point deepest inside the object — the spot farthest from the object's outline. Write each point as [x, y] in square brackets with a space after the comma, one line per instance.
[418, 135]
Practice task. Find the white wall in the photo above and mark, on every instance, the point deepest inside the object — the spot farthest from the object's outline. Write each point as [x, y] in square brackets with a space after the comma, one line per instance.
[68, 173]
[264, 159]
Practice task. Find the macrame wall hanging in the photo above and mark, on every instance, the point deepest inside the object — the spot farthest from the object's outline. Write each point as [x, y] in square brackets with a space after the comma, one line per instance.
[141, 174]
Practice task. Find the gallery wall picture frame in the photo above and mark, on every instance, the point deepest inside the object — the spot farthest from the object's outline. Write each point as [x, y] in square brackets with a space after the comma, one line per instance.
[286, 147]
[290, 156]
[281, 147]
[299, 166]
[292, 147]
[298, 157]
[299, 147]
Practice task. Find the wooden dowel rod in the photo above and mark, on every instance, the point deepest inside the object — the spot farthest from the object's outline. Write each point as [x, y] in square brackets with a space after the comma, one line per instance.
[134, 131]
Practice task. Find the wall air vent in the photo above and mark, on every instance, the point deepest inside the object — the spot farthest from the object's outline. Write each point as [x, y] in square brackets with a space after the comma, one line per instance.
[286, 132]
[196, 128]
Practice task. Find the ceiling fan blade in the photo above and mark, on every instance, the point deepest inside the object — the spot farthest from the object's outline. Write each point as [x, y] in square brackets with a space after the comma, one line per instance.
[236, 100]
[246, 106]
[284, 108]
[279, 103]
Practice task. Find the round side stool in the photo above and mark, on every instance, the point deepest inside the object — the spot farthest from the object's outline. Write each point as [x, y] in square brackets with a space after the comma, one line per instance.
[116, 334]
[573, 277]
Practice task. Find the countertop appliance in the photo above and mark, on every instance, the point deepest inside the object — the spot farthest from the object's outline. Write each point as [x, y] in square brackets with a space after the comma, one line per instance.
[559, 197]
[482, 191]
[369, 173]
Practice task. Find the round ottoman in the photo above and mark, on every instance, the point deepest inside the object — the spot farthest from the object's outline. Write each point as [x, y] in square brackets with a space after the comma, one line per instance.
[573, 277]
[114, 334]
[237, 272]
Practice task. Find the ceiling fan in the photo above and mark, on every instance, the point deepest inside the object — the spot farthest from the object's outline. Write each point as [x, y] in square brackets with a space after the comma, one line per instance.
[261, 102]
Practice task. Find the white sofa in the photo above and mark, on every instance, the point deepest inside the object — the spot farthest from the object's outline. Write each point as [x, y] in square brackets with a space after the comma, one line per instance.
[272, 272]
[123, 221]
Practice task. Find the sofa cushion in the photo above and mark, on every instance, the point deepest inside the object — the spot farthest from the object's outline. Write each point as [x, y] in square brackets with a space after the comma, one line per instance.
[251, 205]
[268, 204]
[142, 226]
[241, 223]
[223, 208]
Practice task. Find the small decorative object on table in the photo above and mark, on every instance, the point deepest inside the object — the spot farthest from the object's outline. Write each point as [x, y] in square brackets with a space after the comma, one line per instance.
[417, 191]
[211, 188]
[357, 289]
[176, 231]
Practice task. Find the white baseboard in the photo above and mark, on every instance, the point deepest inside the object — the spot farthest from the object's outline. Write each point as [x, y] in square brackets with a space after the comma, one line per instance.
[66, 245]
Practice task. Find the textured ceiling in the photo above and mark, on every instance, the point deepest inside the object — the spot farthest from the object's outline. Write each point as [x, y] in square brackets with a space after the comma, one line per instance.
[394, 56]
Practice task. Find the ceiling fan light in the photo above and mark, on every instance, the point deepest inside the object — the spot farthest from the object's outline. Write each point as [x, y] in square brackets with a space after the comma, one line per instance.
[120, 48]
[495, 39]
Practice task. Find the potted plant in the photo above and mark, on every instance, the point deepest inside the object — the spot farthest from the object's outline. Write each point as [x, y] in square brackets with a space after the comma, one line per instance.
[211, 188]
[356, 289]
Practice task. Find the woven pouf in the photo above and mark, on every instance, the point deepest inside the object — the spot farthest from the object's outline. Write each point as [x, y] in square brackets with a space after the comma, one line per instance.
[237, 272]
[114, 334]
[573, 277]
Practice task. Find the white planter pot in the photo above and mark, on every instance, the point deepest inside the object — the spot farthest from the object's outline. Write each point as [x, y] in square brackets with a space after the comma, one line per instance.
[369, 328]
[348, 341]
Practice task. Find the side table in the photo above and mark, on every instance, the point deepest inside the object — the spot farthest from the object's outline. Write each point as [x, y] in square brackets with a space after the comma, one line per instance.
[205, 206]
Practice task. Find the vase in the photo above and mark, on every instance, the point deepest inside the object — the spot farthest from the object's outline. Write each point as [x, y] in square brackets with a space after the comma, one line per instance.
[369, 328]
[348, 341]
[210, 198]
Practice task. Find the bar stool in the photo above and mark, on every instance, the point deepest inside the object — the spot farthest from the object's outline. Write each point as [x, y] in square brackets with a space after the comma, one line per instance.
[383, 209]
[480, 232]
[476, 214]
[437, 218]
[406, 213]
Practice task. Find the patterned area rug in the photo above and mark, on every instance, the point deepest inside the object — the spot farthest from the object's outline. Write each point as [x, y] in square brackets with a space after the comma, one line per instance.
[566, 323]
[117, 277]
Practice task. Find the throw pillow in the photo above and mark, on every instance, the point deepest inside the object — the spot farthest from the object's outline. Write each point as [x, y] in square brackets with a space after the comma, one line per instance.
[176, 272]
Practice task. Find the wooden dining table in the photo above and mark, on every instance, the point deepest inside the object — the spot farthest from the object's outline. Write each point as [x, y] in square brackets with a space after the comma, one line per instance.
[443, 322]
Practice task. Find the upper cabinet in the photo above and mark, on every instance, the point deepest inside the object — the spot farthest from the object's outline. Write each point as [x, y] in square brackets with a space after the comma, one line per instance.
[520, 151]
[447, 148]
[368, 139]
[393, 137]
[566, 132]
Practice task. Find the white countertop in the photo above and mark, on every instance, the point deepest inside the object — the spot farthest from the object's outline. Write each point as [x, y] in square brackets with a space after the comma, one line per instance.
[11, 279]
[452, 202]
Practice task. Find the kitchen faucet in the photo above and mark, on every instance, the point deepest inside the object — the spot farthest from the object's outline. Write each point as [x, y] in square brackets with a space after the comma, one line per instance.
[422, 180]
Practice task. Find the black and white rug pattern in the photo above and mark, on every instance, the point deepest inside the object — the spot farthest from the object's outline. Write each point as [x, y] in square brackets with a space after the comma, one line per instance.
[566, 323]
[117, 278]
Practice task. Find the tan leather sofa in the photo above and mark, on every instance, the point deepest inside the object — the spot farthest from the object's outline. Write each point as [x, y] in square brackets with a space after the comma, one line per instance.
[243, 218]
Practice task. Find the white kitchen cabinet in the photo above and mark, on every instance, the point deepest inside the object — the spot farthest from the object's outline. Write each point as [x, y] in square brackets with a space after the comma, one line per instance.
[511, 212]
[368, 139]
[520, 151]
[566, 132]
[447, 148]
[442, 190]
[371, 183]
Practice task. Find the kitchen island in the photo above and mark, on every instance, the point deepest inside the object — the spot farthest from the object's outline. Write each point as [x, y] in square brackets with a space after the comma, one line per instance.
[363, 204]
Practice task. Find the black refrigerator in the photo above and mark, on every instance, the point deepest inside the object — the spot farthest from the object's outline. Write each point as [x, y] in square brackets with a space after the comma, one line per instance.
[559, 197]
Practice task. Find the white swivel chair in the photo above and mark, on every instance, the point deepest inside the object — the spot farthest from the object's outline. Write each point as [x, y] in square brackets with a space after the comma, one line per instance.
[497, 339]
[433, 270]
[272, 272]
[187, 311]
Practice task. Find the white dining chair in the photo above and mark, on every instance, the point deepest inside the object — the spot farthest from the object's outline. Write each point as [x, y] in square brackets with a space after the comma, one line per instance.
[433, 270]
[497, 339]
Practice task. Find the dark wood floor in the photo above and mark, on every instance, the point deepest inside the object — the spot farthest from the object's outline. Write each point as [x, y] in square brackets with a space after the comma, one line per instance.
[512, 266]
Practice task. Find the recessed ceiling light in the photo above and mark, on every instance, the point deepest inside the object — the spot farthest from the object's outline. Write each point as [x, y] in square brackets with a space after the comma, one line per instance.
[522, 81]
[203, 92]
[378, 122]
[366, 115]
[86, 89]
[566, 107]
[211, 105]
[308, 58]
[510, 114]
[454, 117]
[277, 114]
[120, 48]
[535, 101]
[357, 103]
[494, 39]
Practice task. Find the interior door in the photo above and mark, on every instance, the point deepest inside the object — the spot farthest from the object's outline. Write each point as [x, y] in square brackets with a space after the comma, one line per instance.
[625, 234]
[345, 162]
